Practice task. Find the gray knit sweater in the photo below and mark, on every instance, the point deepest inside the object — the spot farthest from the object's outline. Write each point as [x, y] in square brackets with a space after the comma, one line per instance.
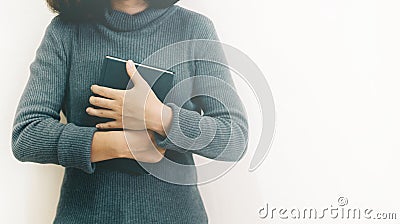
[67, 63]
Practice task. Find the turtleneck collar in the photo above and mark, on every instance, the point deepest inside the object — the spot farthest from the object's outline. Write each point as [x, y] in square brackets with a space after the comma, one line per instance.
[121, 21]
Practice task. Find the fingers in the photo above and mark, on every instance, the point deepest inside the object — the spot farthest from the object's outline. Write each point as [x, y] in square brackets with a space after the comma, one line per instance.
[103, 102]
[107, 92]
[133, 73]
[102, 113]
[109, 125]
[131, 68]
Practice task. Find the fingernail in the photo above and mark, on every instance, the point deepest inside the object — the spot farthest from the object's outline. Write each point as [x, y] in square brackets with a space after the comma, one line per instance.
[130, 64]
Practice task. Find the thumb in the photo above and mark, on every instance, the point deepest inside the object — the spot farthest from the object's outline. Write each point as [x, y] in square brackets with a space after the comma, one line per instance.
[133, 73]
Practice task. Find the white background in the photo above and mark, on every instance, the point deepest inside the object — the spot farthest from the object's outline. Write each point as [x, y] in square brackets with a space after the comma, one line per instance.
[333, 67]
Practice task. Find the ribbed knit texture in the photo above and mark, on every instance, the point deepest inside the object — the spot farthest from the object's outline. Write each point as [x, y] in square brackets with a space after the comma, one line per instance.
[67, 63]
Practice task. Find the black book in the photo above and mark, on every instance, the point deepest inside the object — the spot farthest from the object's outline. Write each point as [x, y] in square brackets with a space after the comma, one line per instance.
[114, 75]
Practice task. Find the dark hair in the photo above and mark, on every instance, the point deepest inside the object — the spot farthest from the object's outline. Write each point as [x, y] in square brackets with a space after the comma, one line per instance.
[92, 10]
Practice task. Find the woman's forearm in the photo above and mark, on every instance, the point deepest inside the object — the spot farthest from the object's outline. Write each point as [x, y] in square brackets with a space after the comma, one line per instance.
[109, 145]
[113, 144]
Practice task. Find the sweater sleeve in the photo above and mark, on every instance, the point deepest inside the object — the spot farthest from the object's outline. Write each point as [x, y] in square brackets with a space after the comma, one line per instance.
[37, 135]
[221, 132]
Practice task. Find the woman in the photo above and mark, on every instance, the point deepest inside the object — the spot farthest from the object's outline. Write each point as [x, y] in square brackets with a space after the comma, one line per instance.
[63, 77]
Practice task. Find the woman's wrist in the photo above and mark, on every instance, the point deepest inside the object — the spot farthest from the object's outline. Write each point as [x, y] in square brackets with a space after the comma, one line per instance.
[160, 119]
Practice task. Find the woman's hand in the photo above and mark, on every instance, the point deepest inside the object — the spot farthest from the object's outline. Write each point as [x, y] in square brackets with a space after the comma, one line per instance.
[113, 144]
[145, 110]
[143, 147]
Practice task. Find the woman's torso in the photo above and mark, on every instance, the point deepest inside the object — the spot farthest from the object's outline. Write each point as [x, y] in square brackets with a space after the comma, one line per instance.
[109, 196]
